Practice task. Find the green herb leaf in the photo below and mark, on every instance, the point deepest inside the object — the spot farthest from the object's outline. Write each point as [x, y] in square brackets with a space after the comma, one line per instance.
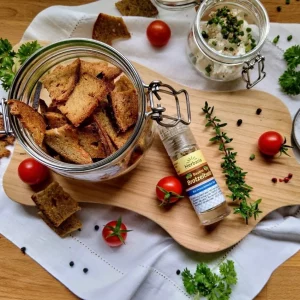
[234, 175]
[292, 56]
[205, 283]
[290, 82]
[26, 50]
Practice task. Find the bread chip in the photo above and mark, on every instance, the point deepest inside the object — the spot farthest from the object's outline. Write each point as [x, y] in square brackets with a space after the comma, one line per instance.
[123, 84]
[61, 82]
[94, 69]
[85, 98]
[55, 120]
[10, 139]
[104, 122]
[125, 108]
[1, 126]
[108, 28]
[141, 8]
[69, 225]
[3, 151]
[90, 141]
[64, 140]
[31, 119]
[55, 203]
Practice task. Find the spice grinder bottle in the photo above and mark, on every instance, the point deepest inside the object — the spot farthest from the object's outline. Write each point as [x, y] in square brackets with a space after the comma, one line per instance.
[195, 174]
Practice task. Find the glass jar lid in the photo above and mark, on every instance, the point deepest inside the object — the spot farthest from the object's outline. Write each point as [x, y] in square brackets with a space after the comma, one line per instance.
[177, 4]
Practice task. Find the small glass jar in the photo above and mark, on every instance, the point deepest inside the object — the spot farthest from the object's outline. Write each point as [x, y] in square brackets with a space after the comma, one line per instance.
[210, 57]
[124, 159]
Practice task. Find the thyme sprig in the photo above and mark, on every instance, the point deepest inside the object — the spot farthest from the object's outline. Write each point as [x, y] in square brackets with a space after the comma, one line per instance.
[235, 175]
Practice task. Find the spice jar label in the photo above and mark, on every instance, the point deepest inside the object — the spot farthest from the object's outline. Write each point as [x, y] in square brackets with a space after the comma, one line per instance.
[198, 181]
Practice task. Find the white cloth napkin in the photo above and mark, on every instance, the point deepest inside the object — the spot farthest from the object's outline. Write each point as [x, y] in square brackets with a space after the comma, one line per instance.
[145, 268]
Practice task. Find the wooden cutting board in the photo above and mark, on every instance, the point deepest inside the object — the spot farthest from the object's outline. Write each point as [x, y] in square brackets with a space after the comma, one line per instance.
[136, 190]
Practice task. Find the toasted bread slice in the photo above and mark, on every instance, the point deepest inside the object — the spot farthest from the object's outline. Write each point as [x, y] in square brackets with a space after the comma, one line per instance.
[96, 68]
[64, 140]
[3, 151]
[30, 119]
[61, 82]
[108, 28]
[55, 120]
[125, 108]
[90, 141]
[55, 203]
[85, 98]
[106, 125]
[1, 126]
[43, 106]
[66, 227]
[10, 139]
[123, 84]
[141, 8]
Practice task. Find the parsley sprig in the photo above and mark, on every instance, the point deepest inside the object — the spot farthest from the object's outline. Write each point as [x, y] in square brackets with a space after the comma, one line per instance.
[290, 79]
[207, 284]
[235, 175]
[8, 59]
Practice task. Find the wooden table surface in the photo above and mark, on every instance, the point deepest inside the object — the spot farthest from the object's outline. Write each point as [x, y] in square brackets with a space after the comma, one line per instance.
[20, 276]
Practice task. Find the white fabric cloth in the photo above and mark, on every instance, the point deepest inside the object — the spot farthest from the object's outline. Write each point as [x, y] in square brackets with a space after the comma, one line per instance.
[145, 268]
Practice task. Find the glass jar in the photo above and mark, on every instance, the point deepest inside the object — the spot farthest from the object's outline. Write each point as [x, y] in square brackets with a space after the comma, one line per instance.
[124, 159]
[224, 59]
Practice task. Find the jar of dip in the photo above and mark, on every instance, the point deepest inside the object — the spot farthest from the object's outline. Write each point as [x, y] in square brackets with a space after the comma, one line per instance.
[28, 81]
[226, 38]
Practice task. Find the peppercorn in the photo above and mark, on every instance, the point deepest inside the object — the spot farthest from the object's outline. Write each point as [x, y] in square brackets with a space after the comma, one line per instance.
[279, 8]
[85, 270]
[276, 39]
[71, 263]
[274, 179]
[252, 156]
[23, 249]
[258, 111]
[290, 175]
[289, 38]
[286, 179]
[287, 2]
[280, 180]
[96, 227]
[178, 272]
[204, 34]
[239, 122]
[79, 229]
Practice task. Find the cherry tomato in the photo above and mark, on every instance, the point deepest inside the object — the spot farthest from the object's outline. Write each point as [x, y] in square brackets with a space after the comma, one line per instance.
[271, 143]
[169, 190]
[114, 233]
[158, 33]
[32, 172]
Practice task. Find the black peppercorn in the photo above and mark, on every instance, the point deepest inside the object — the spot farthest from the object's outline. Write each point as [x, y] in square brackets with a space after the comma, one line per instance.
[239, 122]
[258, 111]
[279, 8]
[23, 249]
[274, 179]
[96, 227]
[71, 263]
[85, 270]
[79, 229]
[178, 272]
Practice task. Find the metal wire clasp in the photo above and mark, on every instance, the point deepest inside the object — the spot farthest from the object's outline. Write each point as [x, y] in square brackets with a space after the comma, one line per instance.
[4, 114]
[157, 111]
[249, 65]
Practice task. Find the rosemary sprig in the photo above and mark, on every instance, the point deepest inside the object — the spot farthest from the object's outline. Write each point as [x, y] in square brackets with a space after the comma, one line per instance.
[235, 176]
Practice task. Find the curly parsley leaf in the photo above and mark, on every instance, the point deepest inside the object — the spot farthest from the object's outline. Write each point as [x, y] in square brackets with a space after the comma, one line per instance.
[7, 63]
[26, 50]
[207, 284]
[290, 82]
[292, 56]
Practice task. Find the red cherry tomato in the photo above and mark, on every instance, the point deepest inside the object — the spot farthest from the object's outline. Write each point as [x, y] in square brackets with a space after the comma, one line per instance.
[169, 190]
[32, 172]
[270, 143]
[114, 233]
[158, 33]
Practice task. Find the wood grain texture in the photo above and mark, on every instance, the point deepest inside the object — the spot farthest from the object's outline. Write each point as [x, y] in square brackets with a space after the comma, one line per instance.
[135, 190]
[13, 264]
